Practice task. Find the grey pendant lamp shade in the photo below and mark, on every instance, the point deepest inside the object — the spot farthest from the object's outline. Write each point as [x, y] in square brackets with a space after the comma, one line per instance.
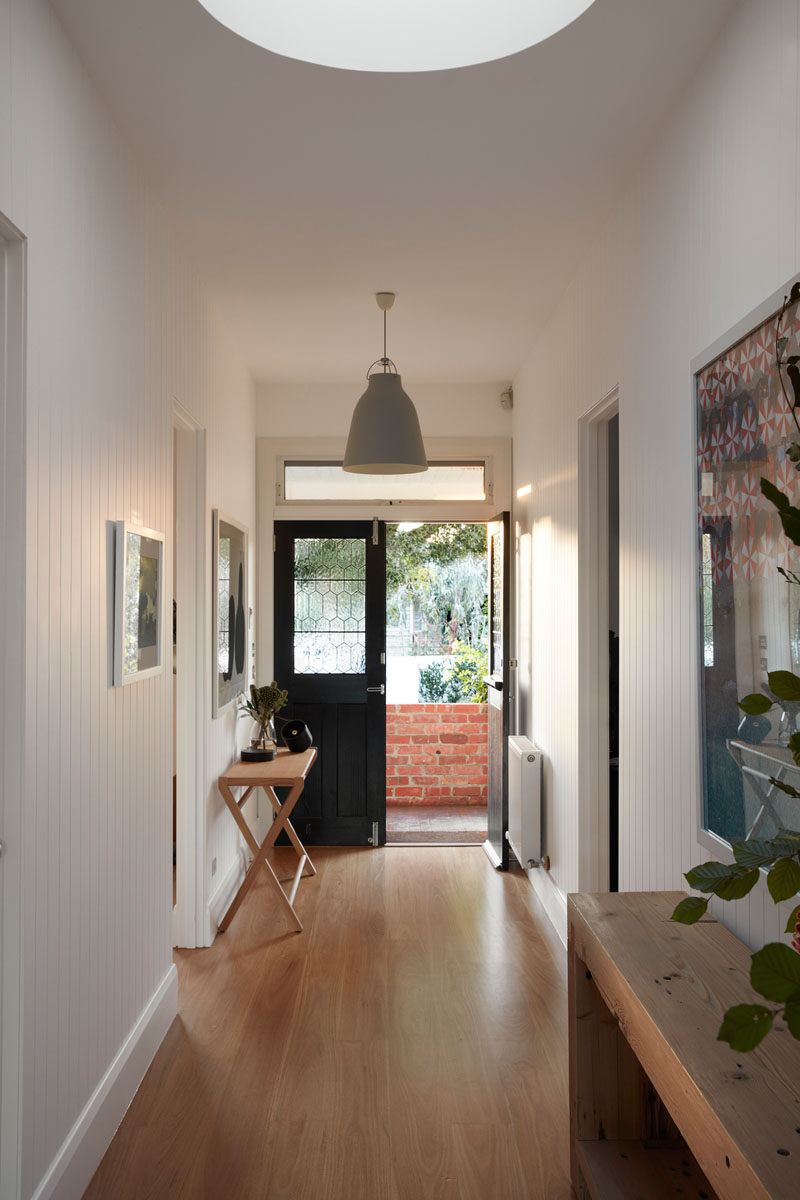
[385, 437]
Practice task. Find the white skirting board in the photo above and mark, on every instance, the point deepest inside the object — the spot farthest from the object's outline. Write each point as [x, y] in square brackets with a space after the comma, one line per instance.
[223, 896]
[71, 1170]
[552, 899]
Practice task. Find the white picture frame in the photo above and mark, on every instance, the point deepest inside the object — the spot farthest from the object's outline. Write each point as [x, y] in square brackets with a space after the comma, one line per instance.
[138, 603]
[230, 630]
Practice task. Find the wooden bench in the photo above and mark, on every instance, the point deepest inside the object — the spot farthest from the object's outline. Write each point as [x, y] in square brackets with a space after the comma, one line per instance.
[658, 1107]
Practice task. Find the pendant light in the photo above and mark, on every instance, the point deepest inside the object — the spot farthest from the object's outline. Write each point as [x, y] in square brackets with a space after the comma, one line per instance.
[385, 437]
[414, 35]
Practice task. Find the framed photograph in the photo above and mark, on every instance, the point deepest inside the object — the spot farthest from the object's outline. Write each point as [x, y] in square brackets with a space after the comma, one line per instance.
[229, 668]
[138, 603]
[748, 572]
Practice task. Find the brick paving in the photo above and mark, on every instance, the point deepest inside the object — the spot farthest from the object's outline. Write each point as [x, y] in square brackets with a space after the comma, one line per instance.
[426, 823]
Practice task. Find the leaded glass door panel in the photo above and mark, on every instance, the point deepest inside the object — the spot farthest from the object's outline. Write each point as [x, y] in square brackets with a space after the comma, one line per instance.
[330, 622]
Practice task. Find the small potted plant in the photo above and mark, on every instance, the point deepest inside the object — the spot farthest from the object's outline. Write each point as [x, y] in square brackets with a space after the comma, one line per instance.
[261, 707]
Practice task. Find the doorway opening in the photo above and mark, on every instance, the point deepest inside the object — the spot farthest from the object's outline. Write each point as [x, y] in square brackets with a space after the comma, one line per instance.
[599, 645]
[437, 597]
[613, 653]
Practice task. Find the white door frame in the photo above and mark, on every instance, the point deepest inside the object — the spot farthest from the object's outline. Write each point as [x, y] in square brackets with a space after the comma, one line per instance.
[593, 660]
[193, 657]
[13, 305]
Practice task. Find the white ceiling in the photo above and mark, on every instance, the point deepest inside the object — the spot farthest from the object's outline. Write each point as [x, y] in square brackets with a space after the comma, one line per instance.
[302, 190]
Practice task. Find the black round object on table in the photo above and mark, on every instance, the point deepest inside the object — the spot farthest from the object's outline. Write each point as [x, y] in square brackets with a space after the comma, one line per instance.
[296, 736]
[258, 755]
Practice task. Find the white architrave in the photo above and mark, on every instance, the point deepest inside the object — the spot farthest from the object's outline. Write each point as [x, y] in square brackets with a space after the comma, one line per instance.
[192, 588]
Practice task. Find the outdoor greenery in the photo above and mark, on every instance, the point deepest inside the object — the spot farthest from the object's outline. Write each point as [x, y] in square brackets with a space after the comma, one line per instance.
[459, 680]
[436, 575]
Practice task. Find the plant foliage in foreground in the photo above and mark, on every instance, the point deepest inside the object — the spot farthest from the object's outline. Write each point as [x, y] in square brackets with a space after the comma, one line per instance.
[775, 969]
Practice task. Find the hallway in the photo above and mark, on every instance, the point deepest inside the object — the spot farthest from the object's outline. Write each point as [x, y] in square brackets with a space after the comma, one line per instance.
[410, 1043]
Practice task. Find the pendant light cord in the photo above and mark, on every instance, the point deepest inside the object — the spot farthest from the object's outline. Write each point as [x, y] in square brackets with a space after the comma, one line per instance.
[385, 362]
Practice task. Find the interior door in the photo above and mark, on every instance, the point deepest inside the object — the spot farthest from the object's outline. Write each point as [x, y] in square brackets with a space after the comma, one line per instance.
[499, 692]
[330, 630]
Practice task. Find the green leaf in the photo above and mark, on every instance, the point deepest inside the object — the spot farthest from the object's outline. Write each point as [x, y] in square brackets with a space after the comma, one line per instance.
[744, 1026]
[783, 880]
[789, 835]
[794, 746]
[791, 1015]
[793, 917]
[754, 853]
[729, 883]
[755, 705]
[785, 787]
[784, 684]
[775, 971]
[790, 520]
[707, 877]
[740, 881]
[774, 495]
[690, 910]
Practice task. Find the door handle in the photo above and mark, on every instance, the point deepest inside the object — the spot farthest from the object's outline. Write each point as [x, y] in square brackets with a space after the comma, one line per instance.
[379, 688]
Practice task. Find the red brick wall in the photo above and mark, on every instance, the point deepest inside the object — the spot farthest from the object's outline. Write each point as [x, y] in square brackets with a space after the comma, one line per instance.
[436, 754]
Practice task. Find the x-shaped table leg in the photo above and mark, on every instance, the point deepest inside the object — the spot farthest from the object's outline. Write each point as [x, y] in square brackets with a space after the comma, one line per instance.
[281, 821]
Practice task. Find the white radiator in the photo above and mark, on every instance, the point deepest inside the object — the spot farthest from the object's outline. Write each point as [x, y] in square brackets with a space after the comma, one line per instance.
[525, 800]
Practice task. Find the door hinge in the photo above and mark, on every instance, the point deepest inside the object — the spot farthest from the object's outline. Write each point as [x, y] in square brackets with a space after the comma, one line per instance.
[379, 688]
[376, 835]
[376, 541]
[383, 658]
[274, 542]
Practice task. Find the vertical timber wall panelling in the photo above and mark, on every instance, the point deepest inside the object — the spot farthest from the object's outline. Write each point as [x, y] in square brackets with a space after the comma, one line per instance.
[707, 228]
[117, 327]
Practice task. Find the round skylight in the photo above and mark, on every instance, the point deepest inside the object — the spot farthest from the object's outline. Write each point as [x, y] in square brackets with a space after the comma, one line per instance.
[396, 35]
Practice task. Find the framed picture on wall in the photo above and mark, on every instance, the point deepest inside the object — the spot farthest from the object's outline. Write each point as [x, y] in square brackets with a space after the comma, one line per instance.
[748, 572]
[229, 598]
[138, 603]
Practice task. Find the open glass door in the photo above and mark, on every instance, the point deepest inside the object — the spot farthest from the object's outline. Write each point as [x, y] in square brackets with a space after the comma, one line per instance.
[330, 626]
[499, 692]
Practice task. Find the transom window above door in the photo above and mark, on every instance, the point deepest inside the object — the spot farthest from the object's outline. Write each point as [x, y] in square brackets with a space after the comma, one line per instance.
[313, 481]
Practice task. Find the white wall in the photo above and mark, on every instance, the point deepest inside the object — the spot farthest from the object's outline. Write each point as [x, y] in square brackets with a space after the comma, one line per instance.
[117, 328]
[706, 230]
[324, 410]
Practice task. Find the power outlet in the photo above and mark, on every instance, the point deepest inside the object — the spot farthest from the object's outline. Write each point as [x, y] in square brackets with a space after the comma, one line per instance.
[213, 866]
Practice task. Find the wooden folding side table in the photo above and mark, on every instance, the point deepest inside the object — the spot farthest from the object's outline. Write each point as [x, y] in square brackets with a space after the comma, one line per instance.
[285, 770]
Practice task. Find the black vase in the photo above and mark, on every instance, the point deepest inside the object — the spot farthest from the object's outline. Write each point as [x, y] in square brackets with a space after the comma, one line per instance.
[296, 736]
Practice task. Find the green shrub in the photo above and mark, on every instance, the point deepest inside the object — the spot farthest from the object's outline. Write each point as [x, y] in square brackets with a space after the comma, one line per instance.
[458, 681]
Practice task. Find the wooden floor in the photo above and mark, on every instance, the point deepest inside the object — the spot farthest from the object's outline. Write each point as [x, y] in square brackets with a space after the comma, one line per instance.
[410, 1043]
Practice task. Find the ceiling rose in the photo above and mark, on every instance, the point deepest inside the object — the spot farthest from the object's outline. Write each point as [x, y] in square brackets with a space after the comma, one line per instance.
[401, 35]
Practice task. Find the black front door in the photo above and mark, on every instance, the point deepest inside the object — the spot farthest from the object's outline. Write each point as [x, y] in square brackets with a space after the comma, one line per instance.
[330, 628]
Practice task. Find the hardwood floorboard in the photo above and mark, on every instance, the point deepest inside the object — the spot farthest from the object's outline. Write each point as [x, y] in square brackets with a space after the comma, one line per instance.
[410, 1044]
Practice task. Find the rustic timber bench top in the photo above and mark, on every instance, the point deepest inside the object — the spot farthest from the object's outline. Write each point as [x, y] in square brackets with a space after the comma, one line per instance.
[642, 983]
